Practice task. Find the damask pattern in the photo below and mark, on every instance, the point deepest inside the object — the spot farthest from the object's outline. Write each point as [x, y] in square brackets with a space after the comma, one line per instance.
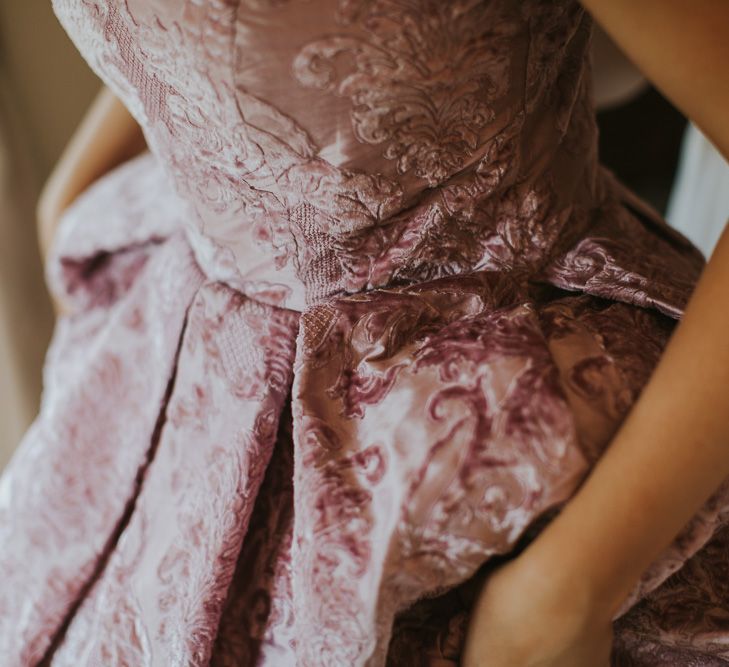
[235, 358]
[348, 337]
[65, 490]
[425, 89]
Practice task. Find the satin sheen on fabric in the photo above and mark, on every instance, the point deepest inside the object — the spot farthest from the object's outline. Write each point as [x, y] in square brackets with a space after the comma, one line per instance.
[357, 326]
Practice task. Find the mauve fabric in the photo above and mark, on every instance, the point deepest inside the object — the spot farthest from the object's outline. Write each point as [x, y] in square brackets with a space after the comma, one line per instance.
[350, 334]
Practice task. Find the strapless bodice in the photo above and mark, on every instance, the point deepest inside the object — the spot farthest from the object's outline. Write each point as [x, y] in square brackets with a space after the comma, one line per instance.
[339, 145]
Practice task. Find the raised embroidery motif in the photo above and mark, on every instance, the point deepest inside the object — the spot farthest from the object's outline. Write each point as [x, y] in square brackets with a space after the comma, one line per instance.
[424, 78]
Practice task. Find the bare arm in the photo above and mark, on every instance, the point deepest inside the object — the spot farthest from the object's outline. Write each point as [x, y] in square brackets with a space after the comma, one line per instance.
[106, 137]
[553, 605]
[672, 451]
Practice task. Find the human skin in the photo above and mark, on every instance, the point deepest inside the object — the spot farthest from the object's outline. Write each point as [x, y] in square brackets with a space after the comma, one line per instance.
[552, 605]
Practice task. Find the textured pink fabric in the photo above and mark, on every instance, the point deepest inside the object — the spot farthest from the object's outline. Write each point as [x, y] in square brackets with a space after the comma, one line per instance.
[349, 335]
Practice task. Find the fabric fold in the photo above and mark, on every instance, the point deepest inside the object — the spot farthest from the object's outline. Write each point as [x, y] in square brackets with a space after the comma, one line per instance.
[408, 246]
[431, 430]
[168, 577]
[628, 254]
[437, 427]
[69, 481]
[103, 237]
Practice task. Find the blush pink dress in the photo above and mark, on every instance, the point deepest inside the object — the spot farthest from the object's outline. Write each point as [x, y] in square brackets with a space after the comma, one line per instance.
[351, 332]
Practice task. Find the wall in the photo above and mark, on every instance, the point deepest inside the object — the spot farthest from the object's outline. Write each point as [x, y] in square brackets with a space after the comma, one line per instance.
[45, 87]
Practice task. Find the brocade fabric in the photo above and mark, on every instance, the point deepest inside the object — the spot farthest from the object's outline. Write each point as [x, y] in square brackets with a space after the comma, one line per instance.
[347, 336]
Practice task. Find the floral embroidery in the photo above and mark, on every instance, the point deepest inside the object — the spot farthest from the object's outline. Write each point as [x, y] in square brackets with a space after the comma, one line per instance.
[395, 205]
[424, 88]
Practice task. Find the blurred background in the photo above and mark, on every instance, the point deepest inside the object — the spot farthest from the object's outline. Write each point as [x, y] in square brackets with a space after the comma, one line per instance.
[45, 91]
[43, 94]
